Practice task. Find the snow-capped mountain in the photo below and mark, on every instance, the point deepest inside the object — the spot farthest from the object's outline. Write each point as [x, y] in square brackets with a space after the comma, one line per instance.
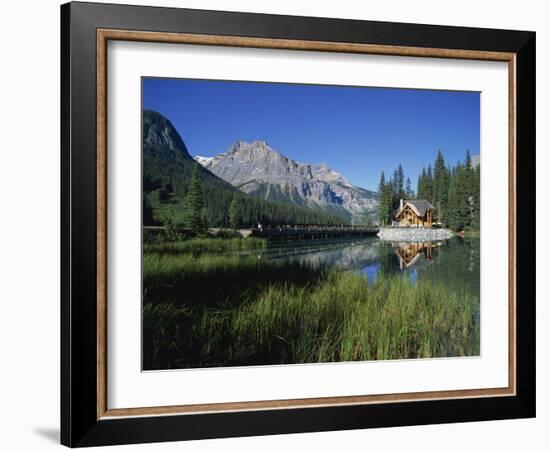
[203, 160]
[256, 168]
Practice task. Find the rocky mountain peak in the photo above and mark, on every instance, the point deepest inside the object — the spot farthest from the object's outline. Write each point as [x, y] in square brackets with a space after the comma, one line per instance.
[256, 168]
[259, 148]
[159, 131]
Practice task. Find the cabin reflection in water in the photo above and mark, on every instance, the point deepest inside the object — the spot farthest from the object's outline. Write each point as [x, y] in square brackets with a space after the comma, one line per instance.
[414, 253]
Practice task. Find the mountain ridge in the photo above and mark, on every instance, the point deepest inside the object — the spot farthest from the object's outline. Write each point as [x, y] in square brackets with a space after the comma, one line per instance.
[167, 171]
[258, 169]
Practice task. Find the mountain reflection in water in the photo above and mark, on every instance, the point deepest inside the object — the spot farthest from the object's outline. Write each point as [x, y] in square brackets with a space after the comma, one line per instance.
[454, 262]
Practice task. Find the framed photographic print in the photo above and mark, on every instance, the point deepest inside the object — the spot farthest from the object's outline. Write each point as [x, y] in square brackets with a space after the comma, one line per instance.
[277, 224]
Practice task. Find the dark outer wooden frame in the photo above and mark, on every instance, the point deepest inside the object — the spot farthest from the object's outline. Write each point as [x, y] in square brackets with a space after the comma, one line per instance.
[85, 27]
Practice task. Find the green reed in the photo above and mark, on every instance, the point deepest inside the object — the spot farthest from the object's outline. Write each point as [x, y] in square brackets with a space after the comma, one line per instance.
[208, 310]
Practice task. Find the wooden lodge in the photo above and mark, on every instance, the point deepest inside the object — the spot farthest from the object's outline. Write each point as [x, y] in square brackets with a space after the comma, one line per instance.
[414, 213]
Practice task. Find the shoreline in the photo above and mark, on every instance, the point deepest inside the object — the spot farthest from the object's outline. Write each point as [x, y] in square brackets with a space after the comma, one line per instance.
[402, 234]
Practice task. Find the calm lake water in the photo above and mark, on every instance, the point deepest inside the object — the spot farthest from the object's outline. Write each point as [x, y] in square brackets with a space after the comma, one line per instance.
[454, 262]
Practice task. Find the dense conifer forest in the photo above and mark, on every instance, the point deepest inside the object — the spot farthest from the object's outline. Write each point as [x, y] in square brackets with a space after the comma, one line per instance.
[454, 191]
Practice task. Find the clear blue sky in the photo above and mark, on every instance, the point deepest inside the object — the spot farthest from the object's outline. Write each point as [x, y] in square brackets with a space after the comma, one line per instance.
[357, 131]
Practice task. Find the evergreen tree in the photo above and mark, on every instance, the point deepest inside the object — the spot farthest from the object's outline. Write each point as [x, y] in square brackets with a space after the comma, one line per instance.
[453, 219]
[394, 187]
[476, 219]
[429, 185]
[382, 183]
[469, 188]
[172, 230]
[194, 203]
[385, 201]
[440, 186]
[459, 208]
[468, 161]
[400, 182]
[421, 186]
[147, 212]
[388, 204]
[397, 186]
[454, 191]
[381, 188]
[409, 193]
[235, 216]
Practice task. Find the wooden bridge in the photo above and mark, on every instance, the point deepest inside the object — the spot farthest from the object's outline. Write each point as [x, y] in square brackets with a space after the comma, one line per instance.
[311, 232]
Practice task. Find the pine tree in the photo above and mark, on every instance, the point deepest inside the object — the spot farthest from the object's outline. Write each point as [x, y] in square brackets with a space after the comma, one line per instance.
[468, 161]
[453, 219]
[235, 215]
[388, 206]
[440, 186]
[147, 212]
[171, 232]
[476, 219]
[454, 191]
[421, 186]
[429, 185]
[397, 186]
[381, 184]
[394, 187]
[469, 187]
[409, 193]
[459, 199]
[382, 200]
[194, 202]
[400, 182]
[386, 197]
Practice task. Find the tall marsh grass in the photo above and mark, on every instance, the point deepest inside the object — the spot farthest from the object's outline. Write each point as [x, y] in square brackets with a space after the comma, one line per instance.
[204, 310]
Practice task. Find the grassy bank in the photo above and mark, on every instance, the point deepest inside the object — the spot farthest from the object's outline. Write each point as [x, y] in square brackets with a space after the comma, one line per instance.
[204, 309]
[204, 245]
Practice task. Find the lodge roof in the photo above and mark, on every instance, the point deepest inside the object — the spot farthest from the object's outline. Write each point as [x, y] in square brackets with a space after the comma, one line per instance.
[418, 206]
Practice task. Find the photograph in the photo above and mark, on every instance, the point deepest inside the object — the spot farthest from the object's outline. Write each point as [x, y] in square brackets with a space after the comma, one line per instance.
[280, 223]
[298, 223]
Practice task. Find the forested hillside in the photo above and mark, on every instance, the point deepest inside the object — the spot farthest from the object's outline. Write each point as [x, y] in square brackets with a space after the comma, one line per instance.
[168, 170]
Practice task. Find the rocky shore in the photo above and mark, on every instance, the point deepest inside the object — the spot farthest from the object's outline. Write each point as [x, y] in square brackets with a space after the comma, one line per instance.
[414, 234]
